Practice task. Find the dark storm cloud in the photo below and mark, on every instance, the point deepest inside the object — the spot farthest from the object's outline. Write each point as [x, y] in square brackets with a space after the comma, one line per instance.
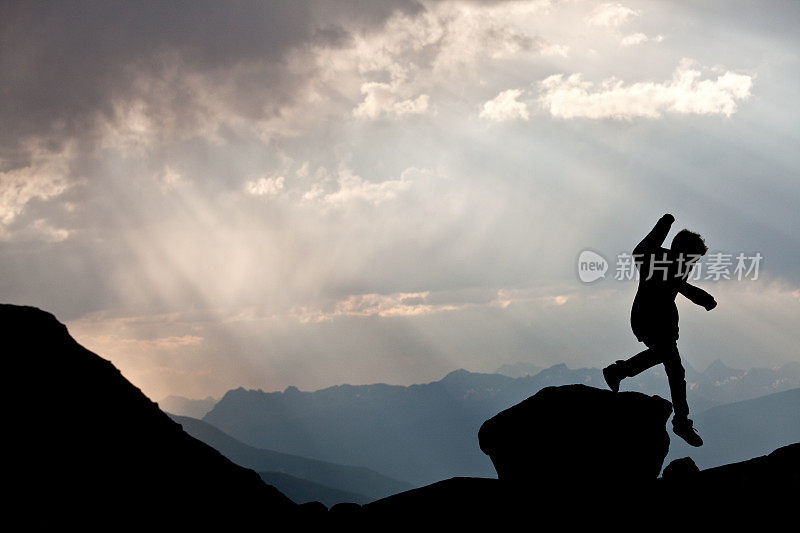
[63, 63]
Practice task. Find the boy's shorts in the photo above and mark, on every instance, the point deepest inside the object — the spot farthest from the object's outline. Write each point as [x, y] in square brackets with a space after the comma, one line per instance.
[654, 342]
[656, 336]
[654, 330]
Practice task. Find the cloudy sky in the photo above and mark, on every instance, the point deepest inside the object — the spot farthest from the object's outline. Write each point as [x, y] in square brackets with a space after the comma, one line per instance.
[214, 195]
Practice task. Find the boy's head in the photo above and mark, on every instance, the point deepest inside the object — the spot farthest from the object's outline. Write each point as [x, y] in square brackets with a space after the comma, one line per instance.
[689, 244]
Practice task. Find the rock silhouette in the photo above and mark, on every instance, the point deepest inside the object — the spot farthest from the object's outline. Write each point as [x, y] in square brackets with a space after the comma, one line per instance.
[576, 433]
[757, 494]
[91, 450]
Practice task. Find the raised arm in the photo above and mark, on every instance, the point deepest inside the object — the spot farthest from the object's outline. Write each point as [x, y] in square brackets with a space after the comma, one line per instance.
[697, 295]
[656, 237]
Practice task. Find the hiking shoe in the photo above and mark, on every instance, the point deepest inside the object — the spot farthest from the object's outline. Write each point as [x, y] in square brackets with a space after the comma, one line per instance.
[613, 376]
[685, 430]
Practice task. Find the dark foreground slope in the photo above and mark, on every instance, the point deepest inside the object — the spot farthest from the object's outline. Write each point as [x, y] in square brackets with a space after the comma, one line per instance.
[106, 456]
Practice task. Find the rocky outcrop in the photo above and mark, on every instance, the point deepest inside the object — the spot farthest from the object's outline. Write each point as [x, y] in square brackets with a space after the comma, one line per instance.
[766, 481]
[576, 434]
[759, 494]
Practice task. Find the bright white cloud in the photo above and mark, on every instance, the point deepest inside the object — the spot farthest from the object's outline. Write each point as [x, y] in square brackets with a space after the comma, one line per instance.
[353, 188]
[408, 304]
[40, 229]
[45, 178]
[471, 32]
[611, 15]
[264, 186]
[639, 38]
[555, 50]
[116, 344]
[169, 179]
[685, 93]
[20, 186]
[505, 106]
[433, 55]
[382, 99]
[382, 305]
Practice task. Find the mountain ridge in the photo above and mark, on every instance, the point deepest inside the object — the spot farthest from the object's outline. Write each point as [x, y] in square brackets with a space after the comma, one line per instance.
[180, 405]
[762, 381]
[443, 415]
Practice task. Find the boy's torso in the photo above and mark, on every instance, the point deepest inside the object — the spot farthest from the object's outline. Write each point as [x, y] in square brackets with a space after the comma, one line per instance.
[654, 314]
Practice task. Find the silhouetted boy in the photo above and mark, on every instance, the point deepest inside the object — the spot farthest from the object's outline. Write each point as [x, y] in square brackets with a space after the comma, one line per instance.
[654, 317]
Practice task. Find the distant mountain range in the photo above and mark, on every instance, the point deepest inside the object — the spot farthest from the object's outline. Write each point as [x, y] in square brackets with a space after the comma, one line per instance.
[520, 369]
[423, 433]
[741, 430]
[301, 479]
[179, 405]
[719, 384]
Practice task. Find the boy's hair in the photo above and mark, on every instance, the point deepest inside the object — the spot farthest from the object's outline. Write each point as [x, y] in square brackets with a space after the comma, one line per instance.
[689, 242]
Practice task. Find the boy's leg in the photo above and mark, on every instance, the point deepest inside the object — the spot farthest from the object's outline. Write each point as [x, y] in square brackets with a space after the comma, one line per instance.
[640, 362]
[615, 372]
[676, 375]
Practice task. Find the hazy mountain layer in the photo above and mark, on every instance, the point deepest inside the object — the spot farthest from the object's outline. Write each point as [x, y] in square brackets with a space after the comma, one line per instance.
[305, 491]
[741, 430]
[347, 482]
[427, 432]
[179, 405]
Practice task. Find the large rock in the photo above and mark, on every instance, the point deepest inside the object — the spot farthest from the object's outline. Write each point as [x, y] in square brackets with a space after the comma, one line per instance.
[579, 435]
